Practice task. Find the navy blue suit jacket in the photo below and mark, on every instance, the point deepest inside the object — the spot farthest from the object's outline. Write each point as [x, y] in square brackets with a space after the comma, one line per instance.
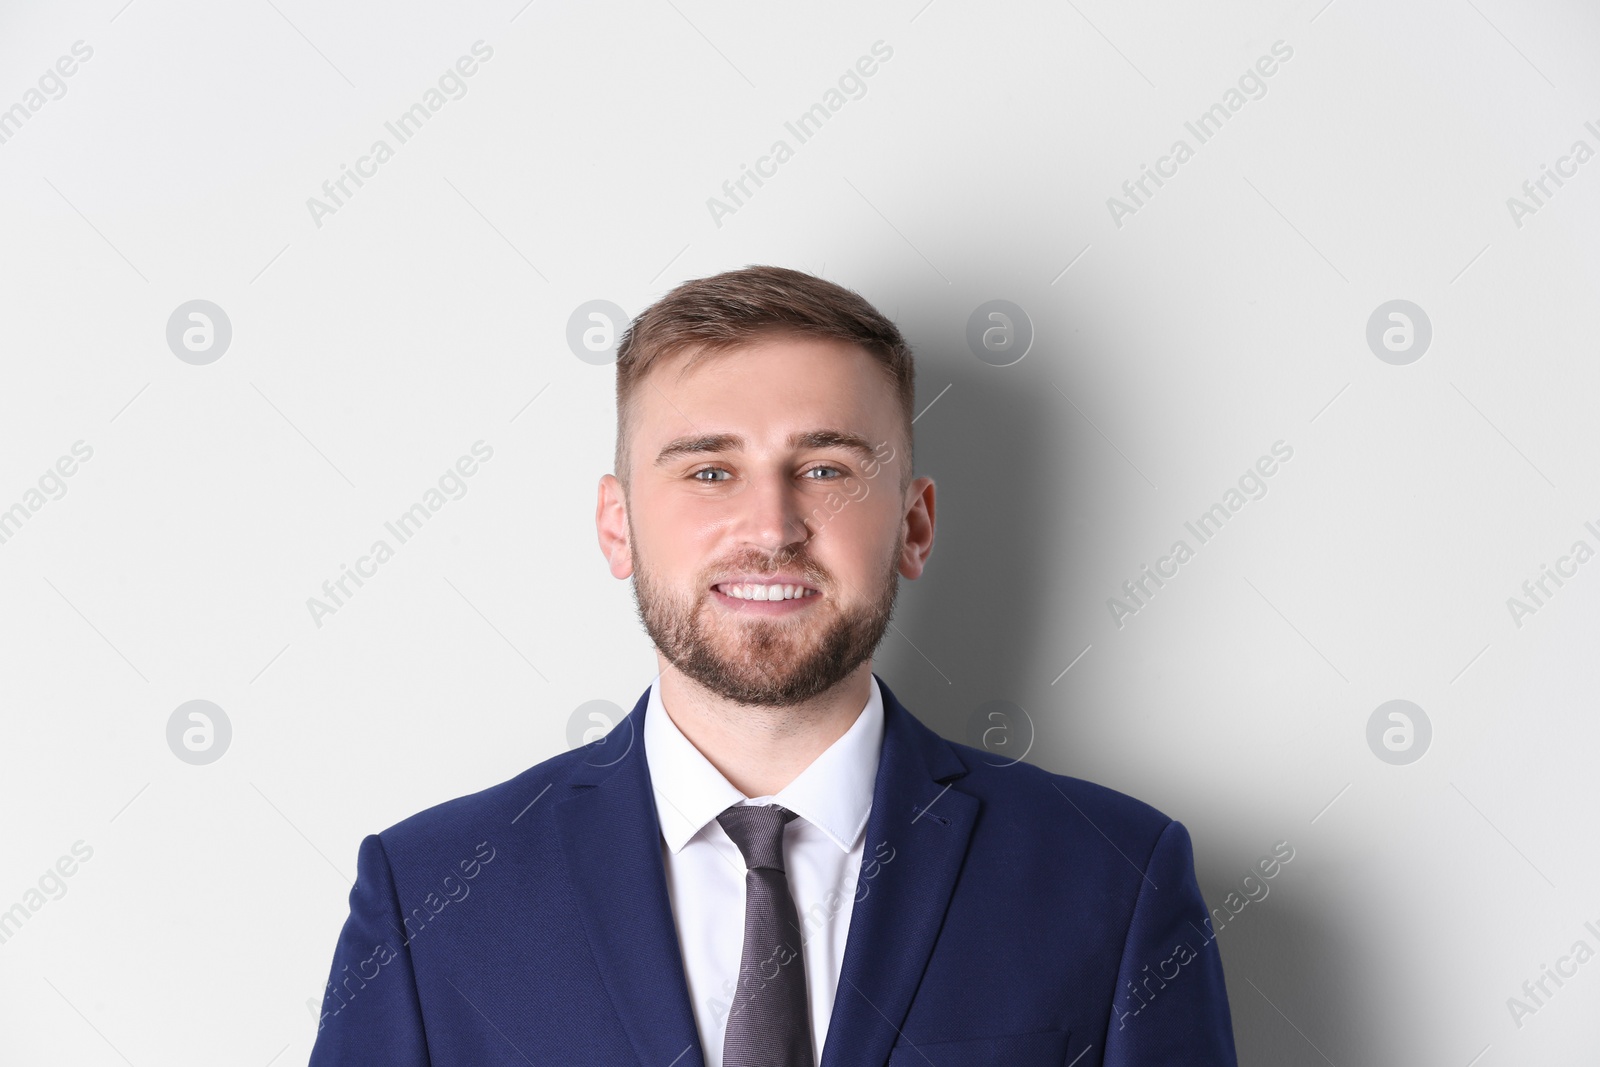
[1004, 915]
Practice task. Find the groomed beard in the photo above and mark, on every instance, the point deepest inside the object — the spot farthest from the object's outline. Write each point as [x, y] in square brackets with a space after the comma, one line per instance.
[760, 661]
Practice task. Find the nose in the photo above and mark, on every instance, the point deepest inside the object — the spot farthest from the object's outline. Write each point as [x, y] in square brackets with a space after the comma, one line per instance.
[773, 516]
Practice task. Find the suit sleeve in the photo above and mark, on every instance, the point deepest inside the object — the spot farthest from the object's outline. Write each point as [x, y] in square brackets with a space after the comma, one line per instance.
[1170, 1007]
[370, 1010]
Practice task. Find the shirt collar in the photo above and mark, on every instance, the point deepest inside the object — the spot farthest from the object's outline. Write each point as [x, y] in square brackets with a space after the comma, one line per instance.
[833, 794]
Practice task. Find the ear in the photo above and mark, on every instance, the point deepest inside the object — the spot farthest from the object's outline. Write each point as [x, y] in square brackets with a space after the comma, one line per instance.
[918, 528]
[611, 523]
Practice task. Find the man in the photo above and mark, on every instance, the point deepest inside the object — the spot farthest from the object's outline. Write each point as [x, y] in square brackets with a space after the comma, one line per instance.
[770, 861]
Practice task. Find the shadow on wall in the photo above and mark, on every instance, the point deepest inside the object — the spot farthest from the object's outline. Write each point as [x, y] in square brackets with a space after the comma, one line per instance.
[990, 447]
[981, 615]
[1297, 987]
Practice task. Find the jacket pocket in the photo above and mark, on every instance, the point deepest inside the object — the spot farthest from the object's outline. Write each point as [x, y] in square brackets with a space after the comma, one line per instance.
[1042, 1048]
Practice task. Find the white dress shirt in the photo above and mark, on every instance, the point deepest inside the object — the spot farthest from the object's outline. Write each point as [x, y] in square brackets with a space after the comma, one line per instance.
[706, 872]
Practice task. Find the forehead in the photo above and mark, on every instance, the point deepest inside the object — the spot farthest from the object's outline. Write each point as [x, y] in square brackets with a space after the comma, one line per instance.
[766, 392]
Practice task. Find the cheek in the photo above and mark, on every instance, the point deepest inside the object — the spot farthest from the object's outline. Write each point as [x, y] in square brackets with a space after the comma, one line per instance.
[682, 549]
[674, 535]
[856, 541]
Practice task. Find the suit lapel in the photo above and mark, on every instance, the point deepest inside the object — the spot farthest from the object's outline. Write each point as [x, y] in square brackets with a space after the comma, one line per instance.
[916, 840]
[612, 842]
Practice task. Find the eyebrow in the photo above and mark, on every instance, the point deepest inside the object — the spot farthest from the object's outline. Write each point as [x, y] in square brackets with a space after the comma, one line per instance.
[713, 443]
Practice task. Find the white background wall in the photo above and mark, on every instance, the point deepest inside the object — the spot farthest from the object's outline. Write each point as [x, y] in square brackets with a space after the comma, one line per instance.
[430, 310]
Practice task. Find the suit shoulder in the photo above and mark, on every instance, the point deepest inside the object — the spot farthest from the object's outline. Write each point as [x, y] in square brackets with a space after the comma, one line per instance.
[1028, 788]
[495, 809]
[1099, 800]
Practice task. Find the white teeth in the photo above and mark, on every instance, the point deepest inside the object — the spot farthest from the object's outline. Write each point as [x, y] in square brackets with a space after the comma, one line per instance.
[766, 592]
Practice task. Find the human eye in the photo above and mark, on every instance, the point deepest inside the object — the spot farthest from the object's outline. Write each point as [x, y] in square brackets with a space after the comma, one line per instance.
[708, 470]
[838, 472]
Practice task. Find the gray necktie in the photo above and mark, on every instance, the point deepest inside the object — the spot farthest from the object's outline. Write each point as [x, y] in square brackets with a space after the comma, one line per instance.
[768, 1025]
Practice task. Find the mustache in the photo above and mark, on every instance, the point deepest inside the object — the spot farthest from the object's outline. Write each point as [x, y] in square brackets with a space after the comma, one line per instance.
[806, 567]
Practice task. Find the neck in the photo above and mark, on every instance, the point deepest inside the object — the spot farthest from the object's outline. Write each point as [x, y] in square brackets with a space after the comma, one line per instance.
[760, 750]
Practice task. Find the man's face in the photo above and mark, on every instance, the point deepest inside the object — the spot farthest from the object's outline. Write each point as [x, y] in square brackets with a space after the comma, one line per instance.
[777, 464]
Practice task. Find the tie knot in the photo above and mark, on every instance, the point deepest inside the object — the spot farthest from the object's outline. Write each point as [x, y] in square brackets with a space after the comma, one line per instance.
[758, 831]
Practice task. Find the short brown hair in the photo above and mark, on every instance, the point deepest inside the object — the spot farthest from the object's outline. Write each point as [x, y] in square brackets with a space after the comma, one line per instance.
[738, 307]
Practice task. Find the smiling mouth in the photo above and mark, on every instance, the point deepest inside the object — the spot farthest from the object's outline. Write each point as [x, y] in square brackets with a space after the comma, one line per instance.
[751, 591]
